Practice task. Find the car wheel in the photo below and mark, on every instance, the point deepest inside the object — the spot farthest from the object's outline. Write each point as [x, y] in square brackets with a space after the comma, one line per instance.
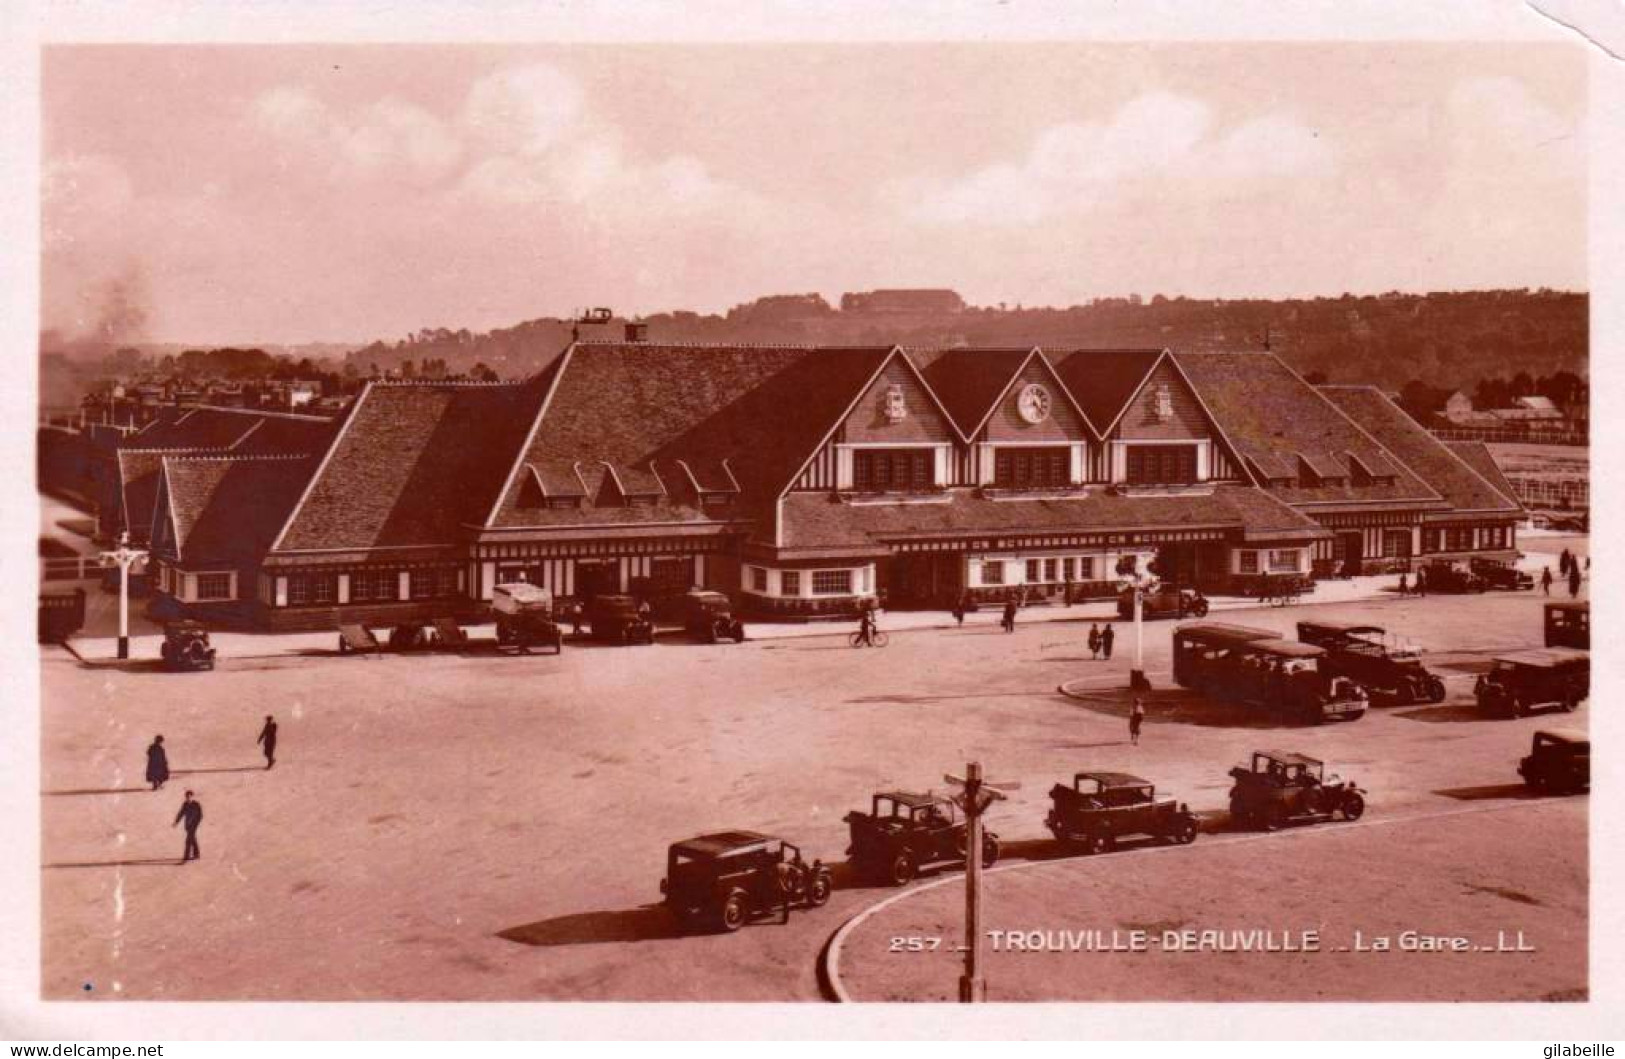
[1571, 702]
[732, 916]
[1537, 782]
[1097, 843]
[1201, 608]
[1275, 817]
[902, 870]
[990, 851]
[1185, 831]
[1435, 690]
[1353, 807]
[818, 891]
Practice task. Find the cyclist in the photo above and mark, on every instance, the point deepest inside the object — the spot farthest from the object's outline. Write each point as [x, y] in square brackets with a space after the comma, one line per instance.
[866, 627]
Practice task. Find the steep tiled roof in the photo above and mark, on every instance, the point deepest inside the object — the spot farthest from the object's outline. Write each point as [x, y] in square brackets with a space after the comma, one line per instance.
[1477, 455]
[640, 405]
[821, 520]
[1268, 412]
[1439, 464]
[138, 481]
[411, 464]
[968, 381]
[194, 428]
[1101, 381]
[226, 509]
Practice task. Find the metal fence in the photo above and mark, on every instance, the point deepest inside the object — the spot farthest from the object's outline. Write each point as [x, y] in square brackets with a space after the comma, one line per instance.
[1565, 493]
[1517, 437]
[78, 568]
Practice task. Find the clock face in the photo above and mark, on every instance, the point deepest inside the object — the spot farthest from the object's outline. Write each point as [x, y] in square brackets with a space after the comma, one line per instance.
[1033, 403]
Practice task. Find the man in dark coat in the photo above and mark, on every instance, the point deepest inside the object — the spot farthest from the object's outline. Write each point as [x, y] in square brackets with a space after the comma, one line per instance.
[1094, 640]
[1546, 580]
[191, 815]
[1136, 718]
[267, 740]
[1107, 636]
[157, 763]
[1574, 579]
[1009, 619]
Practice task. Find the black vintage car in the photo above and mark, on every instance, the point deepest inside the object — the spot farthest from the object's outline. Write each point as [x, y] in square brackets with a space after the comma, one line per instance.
[618, 620]
[1501, 575]
[1528, 680]
[1101, 807]
[1559, 761]
[1447, 577]
[708, 617]
[1568, 623]
[1390, 674]
[1280, 787]
[719, 881]
[1234, 663]
[1164, 601]
[904, 833]
[186, 646]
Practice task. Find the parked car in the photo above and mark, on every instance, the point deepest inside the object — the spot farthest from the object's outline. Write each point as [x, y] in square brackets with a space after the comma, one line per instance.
[1501, 575]
[1388, 673]
[1279, 787]
[1447, 577]
[1559, 761]
[1163, 601]
[708, 616]
[61, 614]
[617, 619]
[1568, 624]
[904, 833]
[186, 646]
[1254, 667]
[1101, 807]
[1527, 680]
[719, 881]
[525, 617]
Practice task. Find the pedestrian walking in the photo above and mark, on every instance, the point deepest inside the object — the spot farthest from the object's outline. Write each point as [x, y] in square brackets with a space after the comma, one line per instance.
[1094, 640]
[1563, 561]
[1106, 638]
[157, 763]
[1404, 585]
[577, 613]
[1136, 718]
[191, 815]
[1422, 582]
[1574, 580]
[267, 740]
[1009, 618]
[959, 611]
[1546, 580]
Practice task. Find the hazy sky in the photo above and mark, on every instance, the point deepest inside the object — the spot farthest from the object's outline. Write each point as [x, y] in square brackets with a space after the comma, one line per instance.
[356, 192]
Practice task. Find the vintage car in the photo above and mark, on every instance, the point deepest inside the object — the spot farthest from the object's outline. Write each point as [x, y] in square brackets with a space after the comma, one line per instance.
[1447, 577]
[1101, 807]
[708, 616]
[1559, 761]
[1568, 624]
[61, 614]
[186, 646]
[904, 833]
[618, 620]
[719, 881]
[1501, 575]
[1528, 680]
[525, 617]
[1281, 787]
[1255, 667]
[1164, 601]
[1390, 674]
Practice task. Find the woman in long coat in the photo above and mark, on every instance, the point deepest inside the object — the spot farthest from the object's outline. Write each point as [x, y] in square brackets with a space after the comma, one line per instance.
[157, 763]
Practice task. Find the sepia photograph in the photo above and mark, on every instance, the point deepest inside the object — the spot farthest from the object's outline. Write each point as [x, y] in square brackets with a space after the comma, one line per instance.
[814, 521]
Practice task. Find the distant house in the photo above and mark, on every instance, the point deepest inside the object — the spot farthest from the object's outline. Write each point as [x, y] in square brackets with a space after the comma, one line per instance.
[903, 301]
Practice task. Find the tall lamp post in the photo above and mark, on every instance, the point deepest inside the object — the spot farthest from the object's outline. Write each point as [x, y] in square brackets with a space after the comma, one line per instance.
[1138, 582]
[975, 796]
[124, 557]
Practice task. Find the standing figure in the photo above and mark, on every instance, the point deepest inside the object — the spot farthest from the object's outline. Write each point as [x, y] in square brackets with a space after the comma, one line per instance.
[1136, 718]
[959, 611]
[267, 740]
[157, 763]
[1009, 618]
[1574, 579]
[1106, 638]
[866, 627]
[191, 815]
[1094, 640]
[1404, 585]
[1546, 580]
[577, 611]
[1422, 581]
[1563, 562]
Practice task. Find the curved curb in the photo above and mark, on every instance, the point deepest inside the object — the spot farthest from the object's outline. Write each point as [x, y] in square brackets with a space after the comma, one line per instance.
[829, 960]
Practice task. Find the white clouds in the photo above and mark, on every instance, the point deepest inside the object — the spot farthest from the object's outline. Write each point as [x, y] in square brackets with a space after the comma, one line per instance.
[526, 110]
[388, 138]
[1074, 168]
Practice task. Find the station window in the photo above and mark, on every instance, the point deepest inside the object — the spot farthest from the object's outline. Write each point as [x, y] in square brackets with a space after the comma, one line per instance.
[1247, 562]
[893, 470]
[213, 586]
[1035, 571]
[1026, 468]
[993, 572]
[369, 586]
[758, 579]
[1161, 464]
[1284, 561]
[307, 589]
[832, 582]
[790, 583]
[434, 582]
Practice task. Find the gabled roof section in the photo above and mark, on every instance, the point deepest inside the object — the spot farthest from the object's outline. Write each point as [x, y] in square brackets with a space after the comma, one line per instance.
[969, 382]
[642, 406]
[1325, 464]
[1102, 381]
[1463, 485]
[1270, 414]
[139, 471]
[1476, 455]
[410, 465]
[226, 509]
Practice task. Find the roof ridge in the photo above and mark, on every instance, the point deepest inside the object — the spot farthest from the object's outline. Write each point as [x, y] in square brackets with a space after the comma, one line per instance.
[447, 383]
[198, 406]
[230, 456]
[609, 342]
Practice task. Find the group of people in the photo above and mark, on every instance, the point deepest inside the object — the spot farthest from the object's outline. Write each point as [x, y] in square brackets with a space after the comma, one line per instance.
[191, 811]
[1421, 586]
[1101, 640]
[1569, 567]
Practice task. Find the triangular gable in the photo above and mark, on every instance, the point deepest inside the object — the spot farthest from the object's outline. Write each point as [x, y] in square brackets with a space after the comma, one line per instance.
[1066, 420]
[969, 382]
[875, 415]
[1102, 382]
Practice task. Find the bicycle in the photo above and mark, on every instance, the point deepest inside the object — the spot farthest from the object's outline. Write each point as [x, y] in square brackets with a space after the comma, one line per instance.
[876, 639]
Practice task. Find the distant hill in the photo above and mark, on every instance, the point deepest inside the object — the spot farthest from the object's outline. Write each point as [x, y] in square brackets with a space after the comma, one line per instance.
[1449, 340]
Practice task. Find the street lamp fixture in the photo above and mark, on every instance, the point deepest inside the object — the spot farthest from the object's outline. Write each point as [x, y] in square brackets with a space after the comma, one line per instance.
[124, 557]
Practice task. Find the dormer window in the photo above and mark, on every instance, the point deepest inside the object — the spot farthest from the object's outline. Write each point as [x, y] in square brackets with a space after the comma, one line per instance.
[893, 470]
[1161, 464]
[1032, 468]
